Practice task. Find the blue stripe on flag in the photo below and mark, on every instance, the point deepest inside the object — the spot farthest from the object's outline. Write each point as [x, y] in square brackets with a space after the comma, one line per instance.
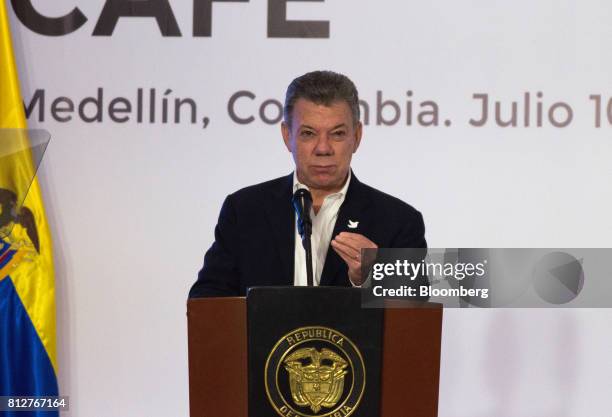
[25, 368]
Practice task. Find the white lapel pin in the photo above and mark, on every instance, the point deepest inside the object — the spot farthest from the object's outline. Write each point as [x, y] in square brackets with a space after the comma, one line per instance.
[352, 224]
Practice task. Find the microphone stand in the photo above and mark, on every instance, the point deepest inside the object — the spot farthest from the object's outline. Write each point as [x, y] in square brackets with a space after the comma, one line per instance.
[306, 242]
[302, 202]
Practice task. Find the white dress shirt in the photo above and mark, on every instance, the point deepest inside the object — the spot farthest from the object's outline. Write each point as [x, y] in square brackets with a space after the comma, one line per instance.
[322, 228]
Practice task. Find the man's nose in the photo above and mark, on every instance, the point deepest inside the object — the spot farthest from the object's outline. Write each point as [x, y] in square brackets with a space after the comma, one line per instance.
[323, 145]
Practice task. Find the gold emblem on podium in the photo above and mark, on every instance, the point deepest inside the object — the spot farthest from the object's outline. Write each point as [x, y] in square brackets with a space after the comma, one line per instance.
[316, 385]
[315, 371]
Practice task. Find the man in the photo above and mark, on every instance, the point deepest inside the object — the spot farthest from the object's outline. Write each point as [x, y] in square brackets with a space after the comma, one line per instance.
[256, 238]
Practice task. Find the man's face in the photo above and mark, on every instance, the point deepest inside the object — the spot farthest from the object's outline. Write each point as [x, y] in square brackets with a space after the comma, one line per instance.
[322, 140]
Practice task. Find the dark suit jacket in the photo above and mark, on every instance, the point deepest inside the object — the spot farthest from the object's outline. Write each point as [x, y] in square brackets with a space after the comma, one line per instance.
[255, 236]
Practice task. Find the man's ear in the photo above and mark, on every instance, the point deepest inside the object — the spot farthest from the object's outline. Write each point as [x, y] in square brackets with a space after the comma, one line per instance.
[286, 135]
[358, 132]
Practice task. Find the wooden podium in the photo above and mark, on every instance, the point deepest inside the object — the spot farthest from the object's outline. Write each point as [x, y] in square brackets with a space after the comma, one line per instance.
[218, 358]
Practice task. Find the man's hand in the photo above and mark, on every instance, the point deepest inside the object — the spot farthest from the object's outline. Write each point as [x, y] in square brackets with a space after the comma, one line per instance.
[348, 246]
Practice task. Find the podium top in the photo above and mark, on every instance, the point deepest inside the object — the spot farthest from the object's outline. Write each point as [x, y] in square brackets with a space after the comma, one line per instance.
[332, 291]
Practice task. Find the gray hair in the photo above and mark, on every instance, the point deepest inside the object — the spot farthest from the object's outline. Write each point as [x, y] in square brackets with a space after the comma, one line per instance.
[322, 87]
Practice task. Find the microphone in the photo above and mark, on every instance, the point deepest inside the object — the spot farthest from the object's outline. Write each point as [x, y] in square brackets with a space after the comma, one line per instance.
[302, 203]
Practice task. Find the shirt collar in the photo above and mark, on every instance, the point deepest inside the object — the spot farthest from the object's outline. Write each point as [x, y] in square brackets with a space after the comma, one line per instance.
[342, 193]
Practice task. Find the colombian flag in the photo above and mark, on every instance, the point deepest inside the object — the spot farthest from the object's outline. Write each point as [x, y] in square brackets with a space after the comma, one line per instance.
[28, 358]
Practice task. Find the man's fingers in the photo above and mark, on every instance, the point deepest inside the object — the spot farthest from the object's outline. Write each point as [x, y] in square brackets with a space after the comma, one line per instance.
[352, 260]
[355, 240]
[349, 259]
[346, 258]
[351, 237]
[354, 245]
[348, 246]
[350, 251]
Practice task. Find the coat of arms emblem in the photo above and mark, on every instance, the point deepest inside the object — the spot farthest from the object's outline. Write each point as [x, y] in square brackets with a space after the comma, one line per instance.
[315, 371]
[316, 384]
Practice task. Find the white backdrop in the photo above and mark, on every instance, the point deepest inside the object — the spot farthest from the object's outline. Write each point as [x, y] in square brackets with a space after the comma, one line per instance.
[133, 205]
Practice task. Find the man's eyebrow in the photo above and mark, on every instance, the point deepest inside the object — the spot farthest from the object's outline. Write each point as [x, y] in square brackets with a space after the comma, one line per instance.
[338, 126]
[333, 128]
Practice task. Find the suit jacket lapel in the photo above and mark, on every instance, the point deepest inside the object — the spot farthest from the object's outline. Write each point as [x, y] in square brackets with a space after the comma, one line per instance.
[282, 226]
[354, 209]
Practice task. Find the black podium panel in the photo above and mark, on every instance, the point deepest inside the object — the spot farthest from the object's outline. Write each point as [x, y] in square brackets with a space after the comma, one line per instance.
[313, 352]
